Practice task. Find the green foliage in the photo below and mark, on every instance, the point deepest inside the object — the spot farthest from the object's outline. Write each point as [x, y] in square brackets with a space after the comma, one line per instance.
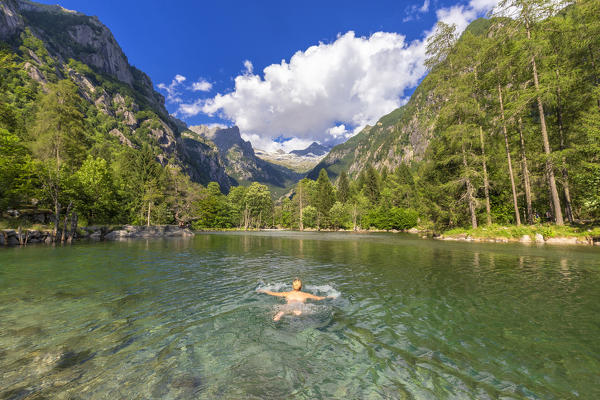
[340, 216]
[371, 185]
[343, 192]
[212, 210]
[94, 192]
[259, 204]
[324, 197]
[17, 171]
[309, 217]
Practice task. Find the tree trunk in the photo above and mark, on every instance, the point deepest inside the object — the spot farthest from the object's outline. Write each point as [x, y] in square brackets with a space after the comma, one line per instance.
[73, 226]
[354, 216]
[510, 170]
[550, 203]
[486, 183]
[526, 181]
[300, 224]
[148, 221]
[19, 236]
[56, 219]
[63, 234]
[565, 174]
[469, 189]
[549, 167]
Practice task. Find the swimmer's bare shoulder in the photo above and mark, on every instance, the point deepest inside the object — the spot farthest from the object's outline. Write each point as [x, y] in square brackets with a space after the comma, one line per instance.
[296, 294]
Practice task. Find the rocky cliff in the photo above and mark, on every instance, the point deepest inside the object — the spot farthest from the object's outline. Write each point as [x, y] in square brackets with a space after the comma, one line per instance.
[53, 43]
[241, 163]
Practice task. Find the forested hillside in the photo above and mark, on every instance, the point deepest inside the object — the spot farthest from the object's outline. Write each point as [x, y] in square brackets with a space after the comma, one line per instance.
[504, 129]
[82, 130]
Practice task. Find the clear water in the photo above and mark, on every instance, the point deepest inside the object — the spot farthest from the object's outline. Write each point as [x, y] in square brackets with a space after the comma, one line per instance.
[411, 319]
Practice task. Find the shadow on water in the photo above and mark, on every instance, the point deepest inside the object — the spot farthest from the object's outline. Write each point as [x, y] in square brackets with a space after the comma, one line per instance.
[412, 319]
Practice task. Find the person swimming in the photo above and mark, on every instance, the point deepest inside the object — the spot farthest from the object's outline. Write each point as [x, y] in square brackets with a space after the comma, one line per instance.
[294, 297]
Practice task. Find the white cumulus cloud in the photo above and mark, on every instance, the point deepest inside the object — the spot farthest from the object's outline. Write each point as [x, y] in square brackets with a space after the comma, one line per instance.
[202, 86]
[354, 80]
[330, 90]
[462, 14]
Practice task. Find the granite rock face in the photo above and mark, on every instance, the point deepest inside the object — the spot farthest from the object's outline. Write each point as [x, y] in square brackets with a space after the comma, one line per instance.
[240, 160]
[11, 21]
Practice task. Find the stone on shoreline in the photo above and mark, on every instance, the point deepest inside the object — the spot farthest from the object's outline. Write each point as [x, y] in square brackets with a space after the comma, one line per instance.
[525, 239]
[152, 231]
[539, 238]
[562, 240]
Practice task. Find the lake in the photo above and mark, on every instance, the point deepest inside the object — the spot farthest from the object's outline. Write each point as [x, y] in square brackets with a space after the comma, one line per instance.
[409, 319]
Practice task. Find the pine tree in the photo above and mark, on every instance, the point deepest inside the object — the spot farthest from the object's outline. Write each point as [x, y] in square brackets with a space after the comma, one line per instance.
[343, 192]
[371, 187]
[527, 14]
[324, 198]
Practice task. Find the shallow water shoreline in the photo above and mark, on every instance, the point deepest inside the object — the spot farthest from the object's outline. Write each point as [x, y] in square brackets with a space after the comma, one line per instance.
[428, 234]
[12, 237]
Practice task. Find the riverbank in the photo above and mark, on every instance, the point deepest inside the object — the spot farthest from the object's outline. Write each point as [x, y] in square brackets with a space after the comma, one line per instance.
[539, 234]
[15, 237]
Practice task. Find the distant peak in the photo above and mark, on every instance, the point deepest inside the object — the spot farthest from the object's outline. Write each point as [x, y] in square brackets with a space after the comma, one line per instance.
[315, 149]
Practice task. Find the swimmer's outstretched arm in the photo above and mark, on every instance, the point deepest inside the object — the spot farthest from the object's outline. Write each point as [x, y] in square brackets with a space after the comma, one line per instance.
[279, 294]
[312, 296]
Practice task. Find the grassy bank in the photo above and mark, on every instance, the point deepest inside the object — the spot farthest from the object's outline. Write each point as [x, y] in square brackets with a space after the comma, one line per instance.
[517, 232]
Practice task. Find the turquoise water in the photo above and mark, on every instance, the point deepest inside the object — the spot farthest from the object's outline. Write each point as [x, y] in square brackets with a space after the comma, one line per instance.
[411, 319]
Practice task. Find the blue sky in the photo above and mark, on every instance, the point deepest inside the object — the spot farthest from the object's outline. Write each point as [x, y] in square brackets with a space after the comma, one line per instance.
[366, 60]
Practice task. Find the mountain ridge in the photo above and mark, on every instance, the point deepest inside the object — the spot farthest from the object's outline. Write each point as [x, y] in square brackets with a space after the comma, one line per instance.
[55, 43]
[314, 148]
[240, 160]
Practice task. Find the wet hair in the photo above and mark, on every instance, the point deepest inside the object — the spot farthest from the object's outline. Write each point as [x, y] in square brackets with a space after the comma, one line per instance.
[294, 282]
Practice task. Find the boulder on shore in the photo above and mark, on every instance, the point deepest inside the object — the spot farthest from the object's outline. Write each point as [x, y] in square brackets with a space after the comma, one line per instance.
[525, 239]
[562, 240]
[152, 231]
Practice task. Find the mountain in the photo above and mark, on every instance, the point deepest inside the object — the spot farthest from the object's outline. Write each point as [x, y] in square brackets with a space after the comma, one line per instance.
[51, 43]
[315, 149]
[240, 160]
[300, 164]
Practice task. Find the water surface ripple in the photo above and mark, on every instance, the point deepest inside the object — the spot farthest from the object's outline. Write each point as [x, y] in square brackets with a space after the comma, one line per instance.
[411, 319]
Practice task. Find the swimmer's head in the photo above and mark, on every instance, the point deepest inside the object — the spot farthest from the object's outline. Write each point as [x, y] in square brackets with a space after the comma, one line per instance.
[297, 284]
